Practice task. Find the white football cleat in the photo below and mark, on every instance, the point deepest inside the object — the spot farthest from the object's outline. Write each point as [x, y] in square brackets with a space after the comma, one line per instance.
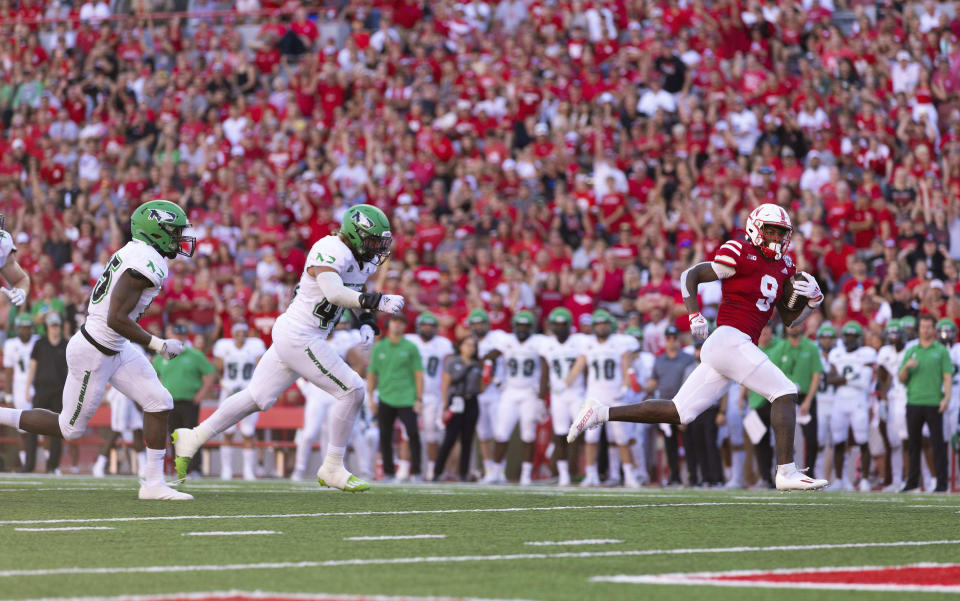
[563, 479]
[865, 485]
[797, 480]
[590, 481]
[162, 492]
[99, 471]
[588, 417]
[296, 476]
[525, 480]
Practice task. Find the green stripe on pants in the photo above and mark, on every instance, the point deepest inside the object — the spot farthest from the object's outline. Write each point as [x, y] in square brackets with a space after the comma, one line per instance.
[83, 391]
[324, 370]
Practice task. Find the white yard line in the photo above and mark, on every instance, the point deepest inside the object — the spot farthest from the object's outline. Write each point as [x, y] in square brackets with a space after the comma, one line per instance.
[205, 595]
[411, 512]
[398, 537]
[64, 529]
[334, 563]
[586, 541]
[230, 533]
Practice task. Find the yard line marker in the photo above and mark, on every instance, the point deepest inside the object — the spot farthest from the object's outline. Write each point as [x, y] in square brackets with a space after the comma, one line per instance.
[586, 541]
[398, 537]
[65, 529]
[334, 563]
[230, 532]
[411, 512]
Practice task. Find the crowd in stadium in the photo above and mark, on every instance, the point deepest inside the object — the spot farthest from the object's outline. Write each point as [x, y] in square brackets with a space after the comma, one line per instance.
[529, 154]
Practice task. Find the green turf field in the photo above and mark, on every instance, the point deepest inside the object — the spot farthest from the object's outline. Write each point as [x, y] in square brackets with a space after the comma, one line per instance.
[480, 539]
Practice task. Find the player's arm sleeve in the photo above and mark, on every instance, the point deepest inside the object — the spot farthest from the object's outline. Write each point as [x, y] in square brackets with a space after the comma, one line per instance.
[728, 255]
[332, 289]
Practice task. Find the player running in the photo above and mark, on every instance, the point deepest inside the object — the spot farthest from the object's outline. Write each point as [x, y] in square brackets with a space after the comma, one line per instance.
[103, 350]
[336, 270]
[524, 391]
[434, 350]
[607, 357]
[561, 352]
[752, 275]
[893, 399]
[235, 358]
[852, 371]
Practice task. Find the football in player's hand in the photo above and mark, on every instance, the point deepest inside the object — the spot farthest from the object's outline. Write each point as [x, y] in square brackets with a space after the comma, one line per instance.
[791, 300]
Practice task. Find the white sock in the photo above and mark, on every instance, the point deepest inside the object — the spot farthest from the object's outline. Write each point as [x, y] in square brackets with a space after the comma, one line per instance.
[613, 457]
[10, 417]
[403, 469]
[334, 457]
[343, 414]
[591, 472]
[153, 474]
[563, 468]
[737, 459]
[249, 459]
[487, 466]
[23, 457]
[101, 462]
[501, 467]
[226, 460]
[629, 475]
[141, 461]
[430, 467]
[786, 469]
[233, 409]
[526, 469]
[896, 465]
[821, 469]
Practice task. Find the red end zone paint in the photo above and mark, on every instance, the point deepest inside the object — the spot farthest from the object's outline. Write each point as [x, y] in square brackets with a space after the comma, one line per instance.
[944, 578]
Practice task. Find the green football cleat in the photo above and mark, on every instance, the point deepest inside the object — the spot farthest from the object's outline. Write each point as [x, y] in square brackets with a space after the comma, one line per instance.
[340, 478]
[184, 448]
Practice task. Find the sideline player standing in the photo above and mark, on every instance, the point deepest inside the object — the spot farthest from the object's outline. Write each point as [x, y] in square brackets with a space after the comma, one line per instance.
[752, 276]
[524, 390]
[434, 350]
[893, 399]
[235, 358]
[103, 350]
[561, 352]
[489, 399]
[606, 357]
[16, 363]
[336, 270]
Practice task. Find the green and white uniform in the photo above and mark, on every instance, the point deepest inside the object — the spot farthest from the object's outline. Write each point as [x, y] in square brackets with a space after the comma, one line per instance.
[890, 359]
[238, 366]
[851, 401]
[521, 387]
[300, 347]
[433, 352]
[16, 355]
[97, 354]
[605, 381]
[489, 398]
[560, 357]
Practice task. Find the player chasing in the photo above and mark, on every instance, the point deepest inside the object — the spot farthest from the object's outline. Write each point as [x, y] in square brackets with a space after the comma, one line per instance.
[102, 352]
[336, 270]
[752, 278]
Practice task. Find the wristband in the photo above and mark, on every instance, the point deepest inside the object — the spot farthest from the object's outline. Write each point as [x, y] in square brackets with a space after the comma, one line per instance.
[370, 300]
[155, 344]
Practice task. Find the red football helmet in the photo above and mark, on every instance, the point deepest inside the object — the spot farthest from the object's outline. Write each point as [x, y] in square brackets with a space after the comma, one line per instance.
[769, 229]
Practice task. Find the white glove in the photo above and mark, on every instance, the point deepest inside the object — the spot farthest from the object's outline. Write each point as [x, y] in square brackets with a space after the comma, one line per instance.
[699, 326]
[168, 349]
[366, 337]
[16, 295]
[809, 288]
[390, 303]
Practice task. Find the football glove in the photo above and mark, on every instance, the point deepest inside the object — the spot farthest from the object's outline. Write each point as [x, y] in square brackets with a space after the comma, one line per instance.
[391, 303]
[699, 326]
[367, 319]
[366, 337]
[809, 288]
[16, 295]
[171, 348]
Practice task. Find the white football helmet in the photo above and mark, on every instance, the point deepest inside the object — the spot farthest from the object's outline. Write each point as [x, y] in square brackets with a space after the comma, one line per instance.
[771, 243]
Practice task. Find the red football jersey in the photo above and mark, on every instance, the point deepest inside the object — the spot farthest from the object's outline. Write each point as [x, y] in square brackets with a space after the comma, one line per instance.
[751, 294]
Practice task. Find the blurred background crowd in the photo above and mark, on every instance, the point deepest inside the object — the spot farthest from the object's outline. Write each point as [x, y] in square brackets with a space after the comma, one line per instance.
[530, 153]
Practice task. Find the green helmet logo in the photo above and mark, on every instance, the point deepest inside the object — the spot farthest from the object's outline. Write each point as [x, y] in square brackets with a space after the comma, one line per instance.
[366, 230]
[160, 223]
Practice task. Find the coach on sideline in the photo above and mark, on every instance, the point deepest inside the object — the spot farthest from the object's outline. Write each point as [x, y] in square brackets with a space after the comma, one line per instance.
[927, 372]
[396, 373]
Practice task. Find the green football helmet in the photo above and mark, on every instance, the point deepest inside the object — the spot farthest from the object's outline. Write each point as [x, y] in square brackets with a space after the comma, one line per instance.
[160, 223]
[427, 318]
[947, 332]
[635, 332]
[478, 316]
[525, 318]
[604, 316]
[366, 230]
[826, 330]
[560, 315]
[852, 335]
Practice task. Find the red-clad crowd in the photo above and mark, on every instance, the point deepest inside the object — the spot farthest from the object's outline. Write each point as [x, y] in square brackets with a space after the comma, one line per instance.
[529, 153]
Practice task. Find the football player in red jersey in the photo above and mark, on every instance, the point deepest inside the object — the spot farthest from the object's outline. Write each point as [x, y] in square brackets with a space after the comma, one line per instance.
[752, 276]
